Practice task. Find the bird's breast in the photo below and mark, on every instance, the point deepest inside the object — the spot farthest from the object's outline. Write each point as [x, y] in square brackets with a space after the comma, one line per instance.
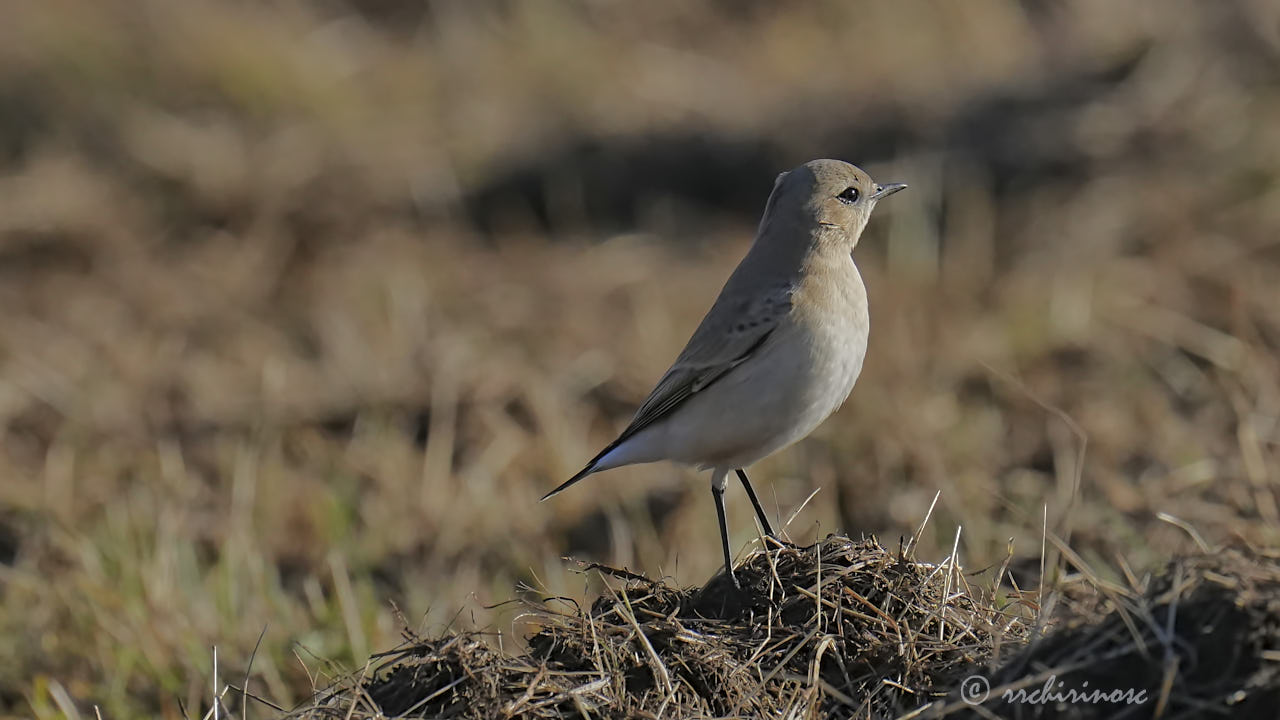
[830, 321]
[831, 307]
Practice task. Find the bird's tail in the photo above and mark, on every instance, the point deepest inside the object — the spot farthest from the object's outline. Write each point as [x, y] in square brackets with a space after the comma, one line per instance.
[590, 468]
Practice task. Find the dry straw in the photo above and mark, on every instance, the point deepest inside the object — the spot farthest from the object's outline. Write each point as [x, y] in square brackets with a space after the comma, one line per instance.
[848, 628]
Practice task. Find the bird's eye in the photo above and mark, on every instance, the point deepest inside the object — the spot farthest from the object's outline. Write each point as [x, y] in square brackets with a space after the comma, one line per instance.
[849, 195]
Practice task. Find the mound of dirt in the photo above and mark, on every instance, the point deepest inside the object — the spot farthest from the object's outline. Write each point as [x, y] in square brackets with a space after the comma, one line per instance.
[1202, 638]
[847, 628]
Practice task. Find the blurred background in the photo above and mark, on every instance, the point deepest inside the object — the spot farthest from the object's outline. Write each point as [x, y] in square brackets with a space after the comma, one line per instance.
[304, 304]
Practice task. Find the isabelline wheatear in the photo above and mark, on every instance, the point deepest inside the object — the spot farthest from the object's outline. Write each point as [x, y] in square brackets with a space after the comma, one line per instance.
[779, 350]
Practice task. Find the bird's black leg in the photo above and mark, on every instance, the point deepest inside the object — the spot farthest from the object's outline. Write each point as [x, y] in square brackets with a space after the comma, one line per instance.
[717, 492]
[755, 502]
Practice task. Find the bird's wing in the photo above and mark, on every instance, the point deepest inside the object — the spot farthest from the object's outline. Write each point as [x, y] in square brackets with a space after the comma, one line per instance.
[733, 330]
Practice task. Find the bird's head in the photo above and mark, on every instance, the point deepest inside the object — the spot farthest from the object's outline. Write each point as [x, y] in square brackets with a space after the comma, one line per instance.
[826, 195]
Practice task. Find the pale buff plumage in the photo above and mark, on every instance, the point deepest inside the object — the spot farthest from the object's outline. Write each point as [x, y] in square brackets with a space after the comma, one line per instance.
[780, 349]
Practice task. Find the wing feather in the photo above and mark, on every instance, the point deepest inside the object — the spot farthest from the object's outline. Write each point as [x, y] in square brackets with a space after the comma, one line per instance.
[732, 331]
[727, 337]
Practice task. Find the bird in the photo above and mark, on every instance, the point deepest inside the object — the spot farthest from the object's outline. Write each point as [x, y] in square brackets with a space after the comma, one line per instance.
[779, 350]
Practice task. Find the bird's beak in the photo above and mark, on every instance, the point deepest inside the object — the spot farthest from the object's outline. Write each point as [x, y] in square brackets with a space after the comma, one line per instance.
[884, 191]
